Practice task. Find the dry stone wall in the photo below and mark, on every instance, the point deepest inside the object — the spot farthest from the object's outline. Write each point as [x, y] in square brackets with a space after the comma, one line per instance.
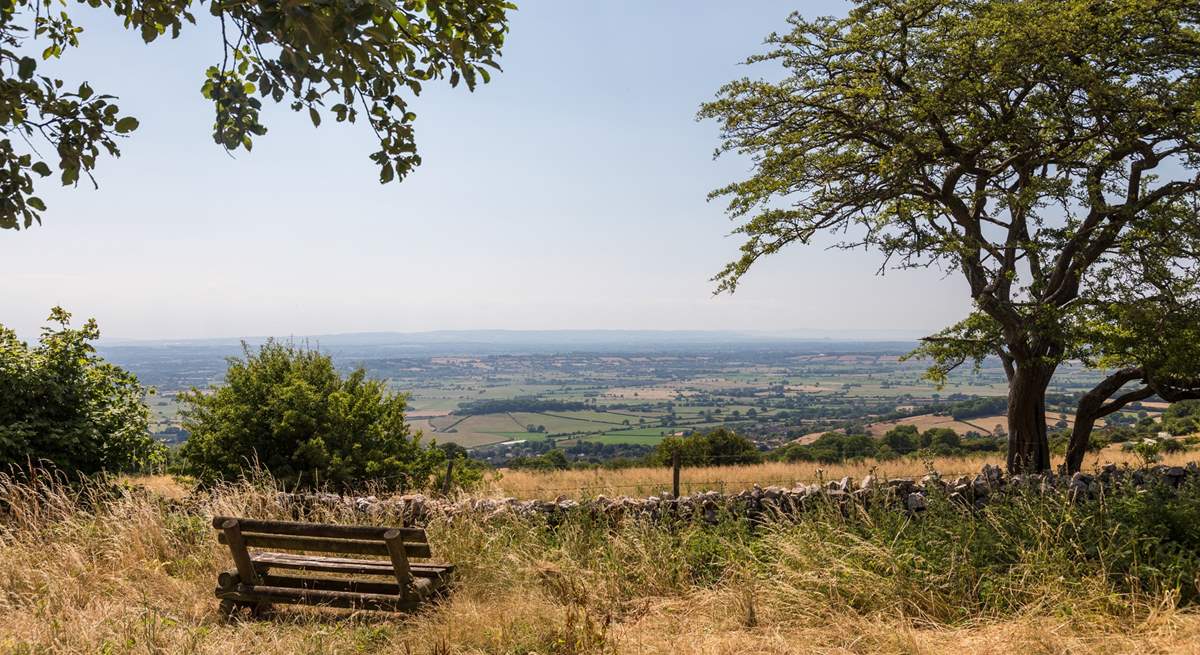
[903, 494]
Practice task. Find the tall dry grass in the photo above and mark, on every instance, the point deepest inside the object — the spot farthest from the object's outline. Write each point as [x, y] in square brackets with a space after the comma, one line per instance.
[642, 481]
[118, 569]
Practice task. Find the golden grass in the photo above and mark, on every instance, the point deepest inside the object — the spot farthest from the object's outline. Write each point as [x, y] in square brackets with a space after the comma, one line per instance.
[643, 481]
[165, 486]
[134, 573]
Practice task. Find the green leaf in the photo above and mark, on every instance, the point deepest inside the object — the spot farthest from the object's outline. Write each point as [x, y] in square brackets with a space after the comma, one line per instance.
[26, 67]
[315, 116]
[41, 169]
[36, 203]
[127, 124]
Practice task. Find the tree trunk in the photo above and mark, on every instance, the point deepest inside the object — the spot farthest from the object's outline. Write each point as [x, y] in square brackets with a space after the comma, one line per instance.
[1081, 433]
[1028, 446]
[1095, 405]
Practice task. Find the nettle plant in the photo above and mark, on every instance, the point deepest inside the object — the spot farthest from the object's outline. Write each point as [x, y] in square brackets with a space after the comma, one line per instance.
[349, 59]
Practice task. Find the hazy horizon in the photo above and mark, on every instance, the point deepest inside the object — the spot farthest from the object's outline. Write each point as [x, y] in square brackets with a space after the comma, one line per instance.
[579, 335]
[567, 194]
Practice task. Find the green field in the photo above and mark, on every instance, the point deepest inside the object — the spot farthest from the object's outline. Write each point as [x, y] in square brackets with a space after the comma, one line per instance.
[486, 429]
[625, 438]
[778, 397]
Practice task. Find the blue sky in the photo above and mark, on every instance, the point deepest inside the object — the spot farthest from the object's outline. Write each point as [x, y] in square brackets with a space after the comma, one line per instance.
[569, 193]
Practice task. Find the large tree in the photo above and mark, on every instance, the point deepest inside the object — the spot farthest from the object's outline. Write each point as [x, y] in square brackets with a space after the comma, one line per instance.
[1016, 142]
[348, 59]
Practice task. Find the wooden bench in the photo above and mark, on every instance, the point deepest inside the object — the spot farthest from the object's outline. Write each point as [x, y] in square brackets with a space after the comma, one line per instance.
[253, 584]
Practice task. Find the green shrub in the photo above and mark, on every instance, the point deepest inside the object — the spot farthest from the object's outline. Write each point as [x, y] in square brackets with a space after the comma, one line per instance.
[903, 439]
[62, 404]
[941, 441]
[1148, 450]
[287, 409]
[717, 447]
[1171, 446]
[551, 460]
[833, 447]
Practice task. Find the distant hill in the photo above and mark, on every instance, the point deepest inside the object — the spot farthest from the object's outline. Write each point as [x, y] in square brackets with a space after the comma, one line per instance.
[549, 341]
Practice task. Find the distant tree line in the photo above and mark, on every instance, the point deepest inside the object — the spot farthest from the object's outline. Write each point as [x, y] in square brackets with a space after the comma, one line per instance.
[717, 447]
[519, 404]
[977, 407]
[833, 447]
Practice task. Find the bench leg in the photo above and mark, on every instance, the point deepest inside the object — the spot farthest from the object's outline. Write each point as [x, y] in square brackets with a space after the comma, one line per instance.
[228, 610]
[231, 610]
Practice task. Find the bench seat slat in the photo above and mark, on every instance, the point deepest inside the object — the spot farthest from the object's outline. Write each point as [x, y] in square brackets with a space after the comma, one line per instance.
[368, 532]
[263, 593]
[422, 587]
[323, 544]
[345, 565]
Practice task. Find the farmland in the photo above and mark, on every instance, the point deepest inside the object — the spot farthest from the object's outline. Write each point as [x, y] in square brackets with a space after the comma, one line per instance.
[774, 396]
[498, 402]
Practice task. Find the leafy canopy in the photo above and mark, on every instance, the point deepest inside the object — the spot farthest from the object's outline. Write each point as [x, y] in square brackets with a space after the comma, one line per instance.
[1020, 143]
[62, 404]
[287, 409]
[1143, 311]
[1138, 316]
[1015, 142]
[348, 59]
[716, 447]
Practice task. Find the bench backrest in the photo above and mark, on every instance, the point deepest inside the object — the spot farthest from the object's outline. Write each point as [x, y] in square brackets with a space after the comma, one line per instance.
[398, 544]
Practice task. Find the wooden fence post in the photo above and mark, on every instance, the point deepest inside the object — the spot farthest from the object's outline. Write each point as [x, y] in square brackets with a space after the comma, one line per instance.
[675, 473]
[449, 473]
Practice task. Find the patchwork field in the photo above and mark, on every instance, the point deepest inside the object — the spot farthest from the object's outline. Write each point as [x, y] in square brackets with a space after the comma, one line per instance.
[980, 425]
[603, 427]
[617, 399]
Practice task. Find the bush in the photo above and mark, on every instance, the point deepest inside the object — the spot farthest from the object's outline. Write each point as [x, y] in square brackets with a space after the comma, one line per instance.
[941, 441]
[551, 460]
[1148, 450]
[1171, 446]
[288, 410]
[833, 447]
[62, 404]
[1121, 434]
[717, 447]
[903, 439]
[1183, 408]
